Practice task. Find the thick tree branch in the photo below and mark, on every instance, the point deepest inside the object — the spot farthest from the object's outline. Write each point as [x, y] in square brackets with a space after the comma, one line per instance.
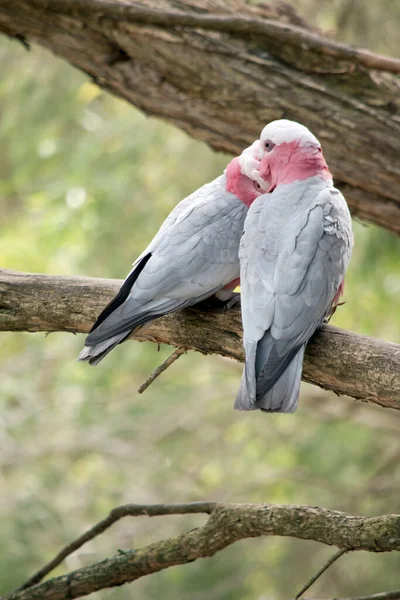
[208, 67]
[337, 360]
[282, 32]
[228, 523]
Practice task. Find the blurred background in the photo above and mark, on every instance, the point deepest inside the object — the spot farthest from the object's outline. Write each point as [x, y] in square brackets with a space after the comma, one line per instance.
[81, 194]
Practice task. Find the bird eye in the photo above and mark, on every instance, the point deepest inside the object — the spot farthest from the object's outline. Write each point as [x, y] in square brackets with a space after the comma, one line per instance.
[257, 186]
[268, 145]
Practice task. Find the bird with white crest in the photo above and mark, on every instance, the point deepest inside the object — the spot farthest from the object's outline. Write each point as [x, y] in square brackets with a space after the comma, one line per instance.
[294, 253]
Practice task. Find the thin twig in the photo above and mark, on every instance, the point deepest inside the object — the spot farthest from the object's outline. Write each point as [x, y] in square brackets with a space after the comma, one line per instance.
[163, 367]
[283, 32]
[322, 570]
[126, 510]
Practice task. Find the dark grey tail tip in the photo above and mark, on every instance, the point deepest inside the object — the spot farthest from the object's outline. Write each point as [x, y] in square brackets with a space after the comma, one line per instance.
[244, 406]
[91, 360]
[289, 411]
[85, 356]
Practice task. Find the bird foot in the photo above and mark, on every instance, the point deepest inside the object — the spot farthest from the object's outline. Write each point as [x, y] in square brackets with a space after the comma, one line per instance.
[234, 301]
[214, 303]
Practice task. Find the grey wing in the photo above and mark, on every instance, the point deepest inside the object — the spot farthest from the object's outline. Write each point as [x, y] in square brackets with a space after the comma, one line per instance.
[207, 192]
[193, 258]
[289, 278]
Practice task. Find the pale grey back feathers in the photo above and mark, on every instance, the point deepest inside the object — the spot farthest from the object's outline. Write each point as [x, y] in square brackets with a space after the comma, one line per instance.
[294, 252]
[193, 255]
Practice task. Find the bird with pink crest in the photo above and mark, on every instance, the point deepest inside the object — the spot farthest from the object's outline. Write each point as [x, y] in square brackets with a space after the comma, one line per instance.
[294, 252]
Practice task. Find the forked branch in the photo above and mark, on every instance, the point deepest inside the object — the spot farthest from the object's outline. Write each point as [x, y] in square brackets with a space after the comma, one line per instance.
[227, 523]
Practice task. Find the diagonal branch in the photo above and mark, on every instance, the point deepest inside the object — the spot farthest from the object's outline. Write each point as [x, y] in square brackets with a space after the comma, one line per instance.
[222, 72]
[320, 572]
[337, 360]
[282, 32]
[127, 510]
[160, 369]
[227, 524]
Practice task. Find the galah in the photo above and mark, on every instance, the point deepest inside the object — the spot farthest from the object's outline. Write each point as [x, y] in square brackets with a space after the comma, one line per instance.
[294, 253]
[193, 256]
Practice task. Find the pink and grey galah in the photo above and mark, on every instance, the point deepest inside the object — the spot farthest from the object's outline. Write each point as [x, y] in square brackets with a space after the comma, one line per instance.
[193, 256]
[294, 253]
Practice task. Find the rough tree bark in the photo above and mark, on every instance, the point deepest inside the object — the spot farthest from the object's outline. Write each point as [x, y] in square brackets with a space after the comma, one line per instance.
[227, 524]
[221, 79]
[337, 360]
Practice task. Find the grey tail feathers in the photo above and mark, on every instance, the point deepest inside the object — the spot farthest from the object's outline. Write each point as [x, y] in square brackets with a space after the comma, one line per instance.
[284, 394]
[123, 292]
[243, 399]
[94, 354]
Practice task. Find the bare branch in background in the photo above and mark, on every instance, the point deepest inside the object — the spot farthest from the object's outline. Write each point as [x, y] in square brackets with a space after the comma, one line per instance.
[393, 595]
[127, 510]
[227, 524]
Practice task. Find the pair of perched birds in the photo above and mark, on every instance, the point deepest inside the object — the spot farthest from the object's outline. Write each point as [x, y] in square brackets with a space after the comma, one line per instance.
[273, 219]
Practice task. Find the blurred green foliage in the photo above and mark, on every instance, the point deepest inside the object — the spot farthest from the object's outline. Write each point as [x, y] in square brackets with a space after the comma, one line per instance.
[85, 181]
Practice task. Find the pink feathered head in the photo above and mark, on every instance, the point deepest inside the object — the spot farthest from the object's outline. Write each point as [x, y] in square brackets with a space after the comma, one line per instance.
[242, 175]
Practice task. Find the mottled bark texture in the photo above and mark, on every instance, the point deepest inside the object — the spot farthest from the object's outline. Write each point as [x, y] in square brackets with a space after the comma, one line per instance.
[337, 360]
[227, 523]
[221, 69]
